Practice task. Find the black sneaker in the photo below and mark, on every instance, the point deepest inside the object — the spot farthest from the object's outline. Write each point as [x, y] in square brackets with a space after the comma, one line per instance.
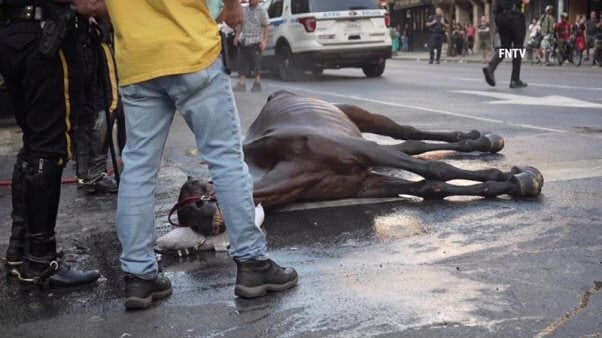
[104, 184]
[256, 87]
[517, 84]
[489, 76]
[140, 293]
[256, 277]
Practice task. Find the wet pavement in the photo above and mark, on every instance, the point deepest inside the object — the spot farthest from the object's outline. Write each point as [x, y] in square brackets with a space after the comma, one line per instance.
[405, 267]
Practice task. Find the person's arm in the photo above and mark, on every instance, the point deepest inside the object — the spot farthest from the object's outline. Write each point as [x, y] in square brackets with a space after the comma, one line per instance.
[88, 7]
[264, 42]
[266, 30]
[237, 31]
[432, 22]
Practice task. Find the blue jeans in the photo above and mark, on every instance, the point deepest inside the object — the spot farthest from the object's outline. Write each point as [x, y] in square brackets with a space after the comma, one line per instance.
[206, 102]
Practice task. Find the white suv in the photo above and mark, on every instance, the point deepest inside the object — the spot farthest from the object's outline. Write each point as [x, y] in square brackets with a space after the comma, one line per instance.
[311, 35]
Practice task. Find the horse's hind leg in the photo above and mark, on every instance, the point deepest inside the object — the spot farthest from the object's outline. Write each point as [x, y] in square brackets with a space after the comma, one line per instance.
[385, 186]
[368, 122]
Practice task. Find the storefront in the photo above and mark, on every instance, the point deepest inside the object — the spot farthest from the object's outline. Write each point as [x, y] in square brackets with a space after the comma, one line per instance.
[412, 15]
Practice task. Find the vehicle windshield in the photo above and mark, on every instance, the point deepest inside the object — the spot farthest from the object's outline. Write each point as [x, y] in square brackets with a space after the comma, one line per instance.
[306, 6]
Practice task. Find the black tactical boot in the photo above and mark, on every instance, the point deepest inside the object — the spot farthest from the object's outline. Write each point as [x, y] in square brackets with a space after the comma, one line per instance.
[42, 266]
[140, 293]
[255, 278]
[42, 194]
[16, 244]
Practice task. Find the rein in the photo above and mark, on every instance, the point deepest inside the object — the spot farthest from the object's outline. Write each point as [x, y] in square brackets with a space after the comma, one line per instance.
[187, 201]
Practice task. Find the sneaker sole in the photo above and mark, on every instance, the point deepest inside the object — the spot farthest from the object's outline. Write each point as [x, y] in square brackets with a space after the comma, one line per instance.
[133, 303]
[262, 290]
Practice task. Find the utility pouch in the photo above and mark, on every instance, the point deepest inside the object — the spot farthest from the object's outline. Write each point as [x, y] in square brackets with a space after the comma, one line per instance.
[54, 29]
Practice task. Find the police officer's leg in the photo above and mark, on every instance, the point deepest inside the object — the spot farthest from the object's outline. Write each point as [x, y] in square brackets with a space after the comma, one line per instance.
[518, 28]
[11, 51]
[50, 92]
[439, 44]
[16, 244]
[501, 21]
[432, 46]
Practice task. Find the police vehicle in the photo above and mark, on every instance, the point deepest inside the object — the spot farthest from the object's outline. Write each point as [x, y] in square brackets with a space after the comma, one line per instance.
[313, 35]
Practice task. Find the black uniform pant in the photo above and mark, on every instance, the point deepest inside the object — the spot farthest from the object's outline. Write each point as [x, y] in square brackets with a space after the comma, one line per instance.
[46, 92]
[512, 28]
[435, 42]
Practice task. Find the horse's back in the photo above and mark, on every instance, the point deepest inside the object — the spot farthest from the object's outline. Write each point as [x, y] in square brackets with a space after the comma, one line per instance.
[294, 115]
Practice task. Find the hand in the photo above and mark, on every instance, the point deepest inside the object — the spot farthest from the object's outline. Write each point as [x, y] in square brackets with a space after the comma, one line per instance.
[263, 45]
[235, 42]
[231, 13]
[88, 7]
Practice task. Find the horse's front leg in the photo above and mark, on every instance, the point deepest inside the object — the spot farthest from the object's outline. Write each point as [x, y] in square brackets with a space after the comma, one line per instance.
[491, 143]
[376, 185]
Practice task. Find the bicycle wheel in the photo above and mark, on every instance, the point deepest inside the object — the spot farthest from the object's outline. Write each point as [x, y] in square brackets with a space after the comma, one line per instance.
[558, 55]
[577, 56]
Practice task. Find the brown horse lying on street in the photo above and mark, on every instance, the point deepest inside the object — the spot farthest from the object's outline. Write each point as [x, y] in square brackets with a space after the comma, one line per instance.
[305, 149]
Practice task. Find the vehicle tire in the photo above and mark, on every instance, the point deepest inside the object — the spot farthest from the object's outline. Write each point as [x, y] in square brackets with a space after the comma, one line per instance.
[374, 69]
[577, 56]
[286, 64]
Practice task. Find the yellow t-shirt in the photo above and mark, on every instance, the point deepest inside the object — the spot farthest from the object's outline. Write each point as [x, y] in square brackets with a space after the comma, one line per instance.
[155, 38]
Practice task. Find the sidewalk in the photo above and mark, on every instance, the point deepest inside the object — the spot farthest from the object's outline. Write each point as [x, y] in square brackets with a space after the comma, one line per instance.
[423, 56]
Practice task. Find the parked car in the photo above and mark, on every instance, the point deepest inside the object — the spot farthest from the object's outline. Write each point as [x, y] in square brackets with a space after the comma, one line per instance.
[313, 35]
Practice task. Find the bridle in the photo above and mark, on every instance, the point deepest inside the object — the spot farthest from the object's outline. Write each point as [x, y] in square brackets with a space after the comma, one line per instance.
[218, 218]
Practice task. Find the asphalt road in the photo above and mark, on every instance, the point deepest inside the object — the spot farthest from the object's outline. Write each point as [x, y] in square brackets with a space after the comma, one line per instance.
[405, 267]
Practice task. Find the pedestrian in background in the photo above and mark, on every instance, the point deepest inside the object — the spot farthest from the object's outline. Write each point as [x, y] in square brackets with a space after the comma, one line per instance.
[484, 31]
[174, 65]
[45, 89]
[510, 22]
[548, 24]
[534, 37]
[590, 33]
[470, 35]
[394, 33]
[252, 36]
[405, 39]
[438, 26]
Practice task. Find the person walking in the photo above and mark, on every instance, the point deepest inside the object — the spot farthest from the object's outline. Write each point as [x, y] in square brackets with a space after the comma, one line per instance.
[438, 26]
[510, 22]
[174, 65]
[252, 36]
[44, 85]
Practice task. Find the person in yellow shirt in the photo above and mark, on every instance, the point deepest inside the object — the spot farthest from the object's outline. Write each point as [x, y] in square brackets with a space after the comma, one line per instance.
[167, 54]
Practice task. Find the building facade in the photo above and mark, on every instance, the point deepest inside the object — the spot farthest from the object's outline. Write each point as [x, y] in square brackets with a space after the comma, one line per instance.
[413, 14]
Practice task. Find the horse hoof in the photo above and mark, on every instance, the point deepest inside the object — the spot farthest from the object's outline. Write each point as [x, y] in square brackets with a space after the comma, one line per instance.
[529, 181]
[497, 142]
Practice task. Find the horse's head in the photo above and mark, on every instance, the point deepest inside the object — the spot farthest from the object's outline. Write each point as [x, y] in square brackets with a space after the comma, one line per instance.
[198, 208]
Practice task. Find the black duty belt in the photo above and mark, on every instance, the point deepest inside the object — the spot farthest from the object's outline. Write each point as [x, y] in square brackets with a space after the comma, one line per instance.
[28, 13]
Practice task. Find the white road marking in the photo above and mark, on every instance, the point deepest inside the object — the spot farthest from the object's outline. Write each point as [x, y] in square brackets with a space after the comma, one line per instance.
[551, 100]
[431, 110]
[547, 85]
